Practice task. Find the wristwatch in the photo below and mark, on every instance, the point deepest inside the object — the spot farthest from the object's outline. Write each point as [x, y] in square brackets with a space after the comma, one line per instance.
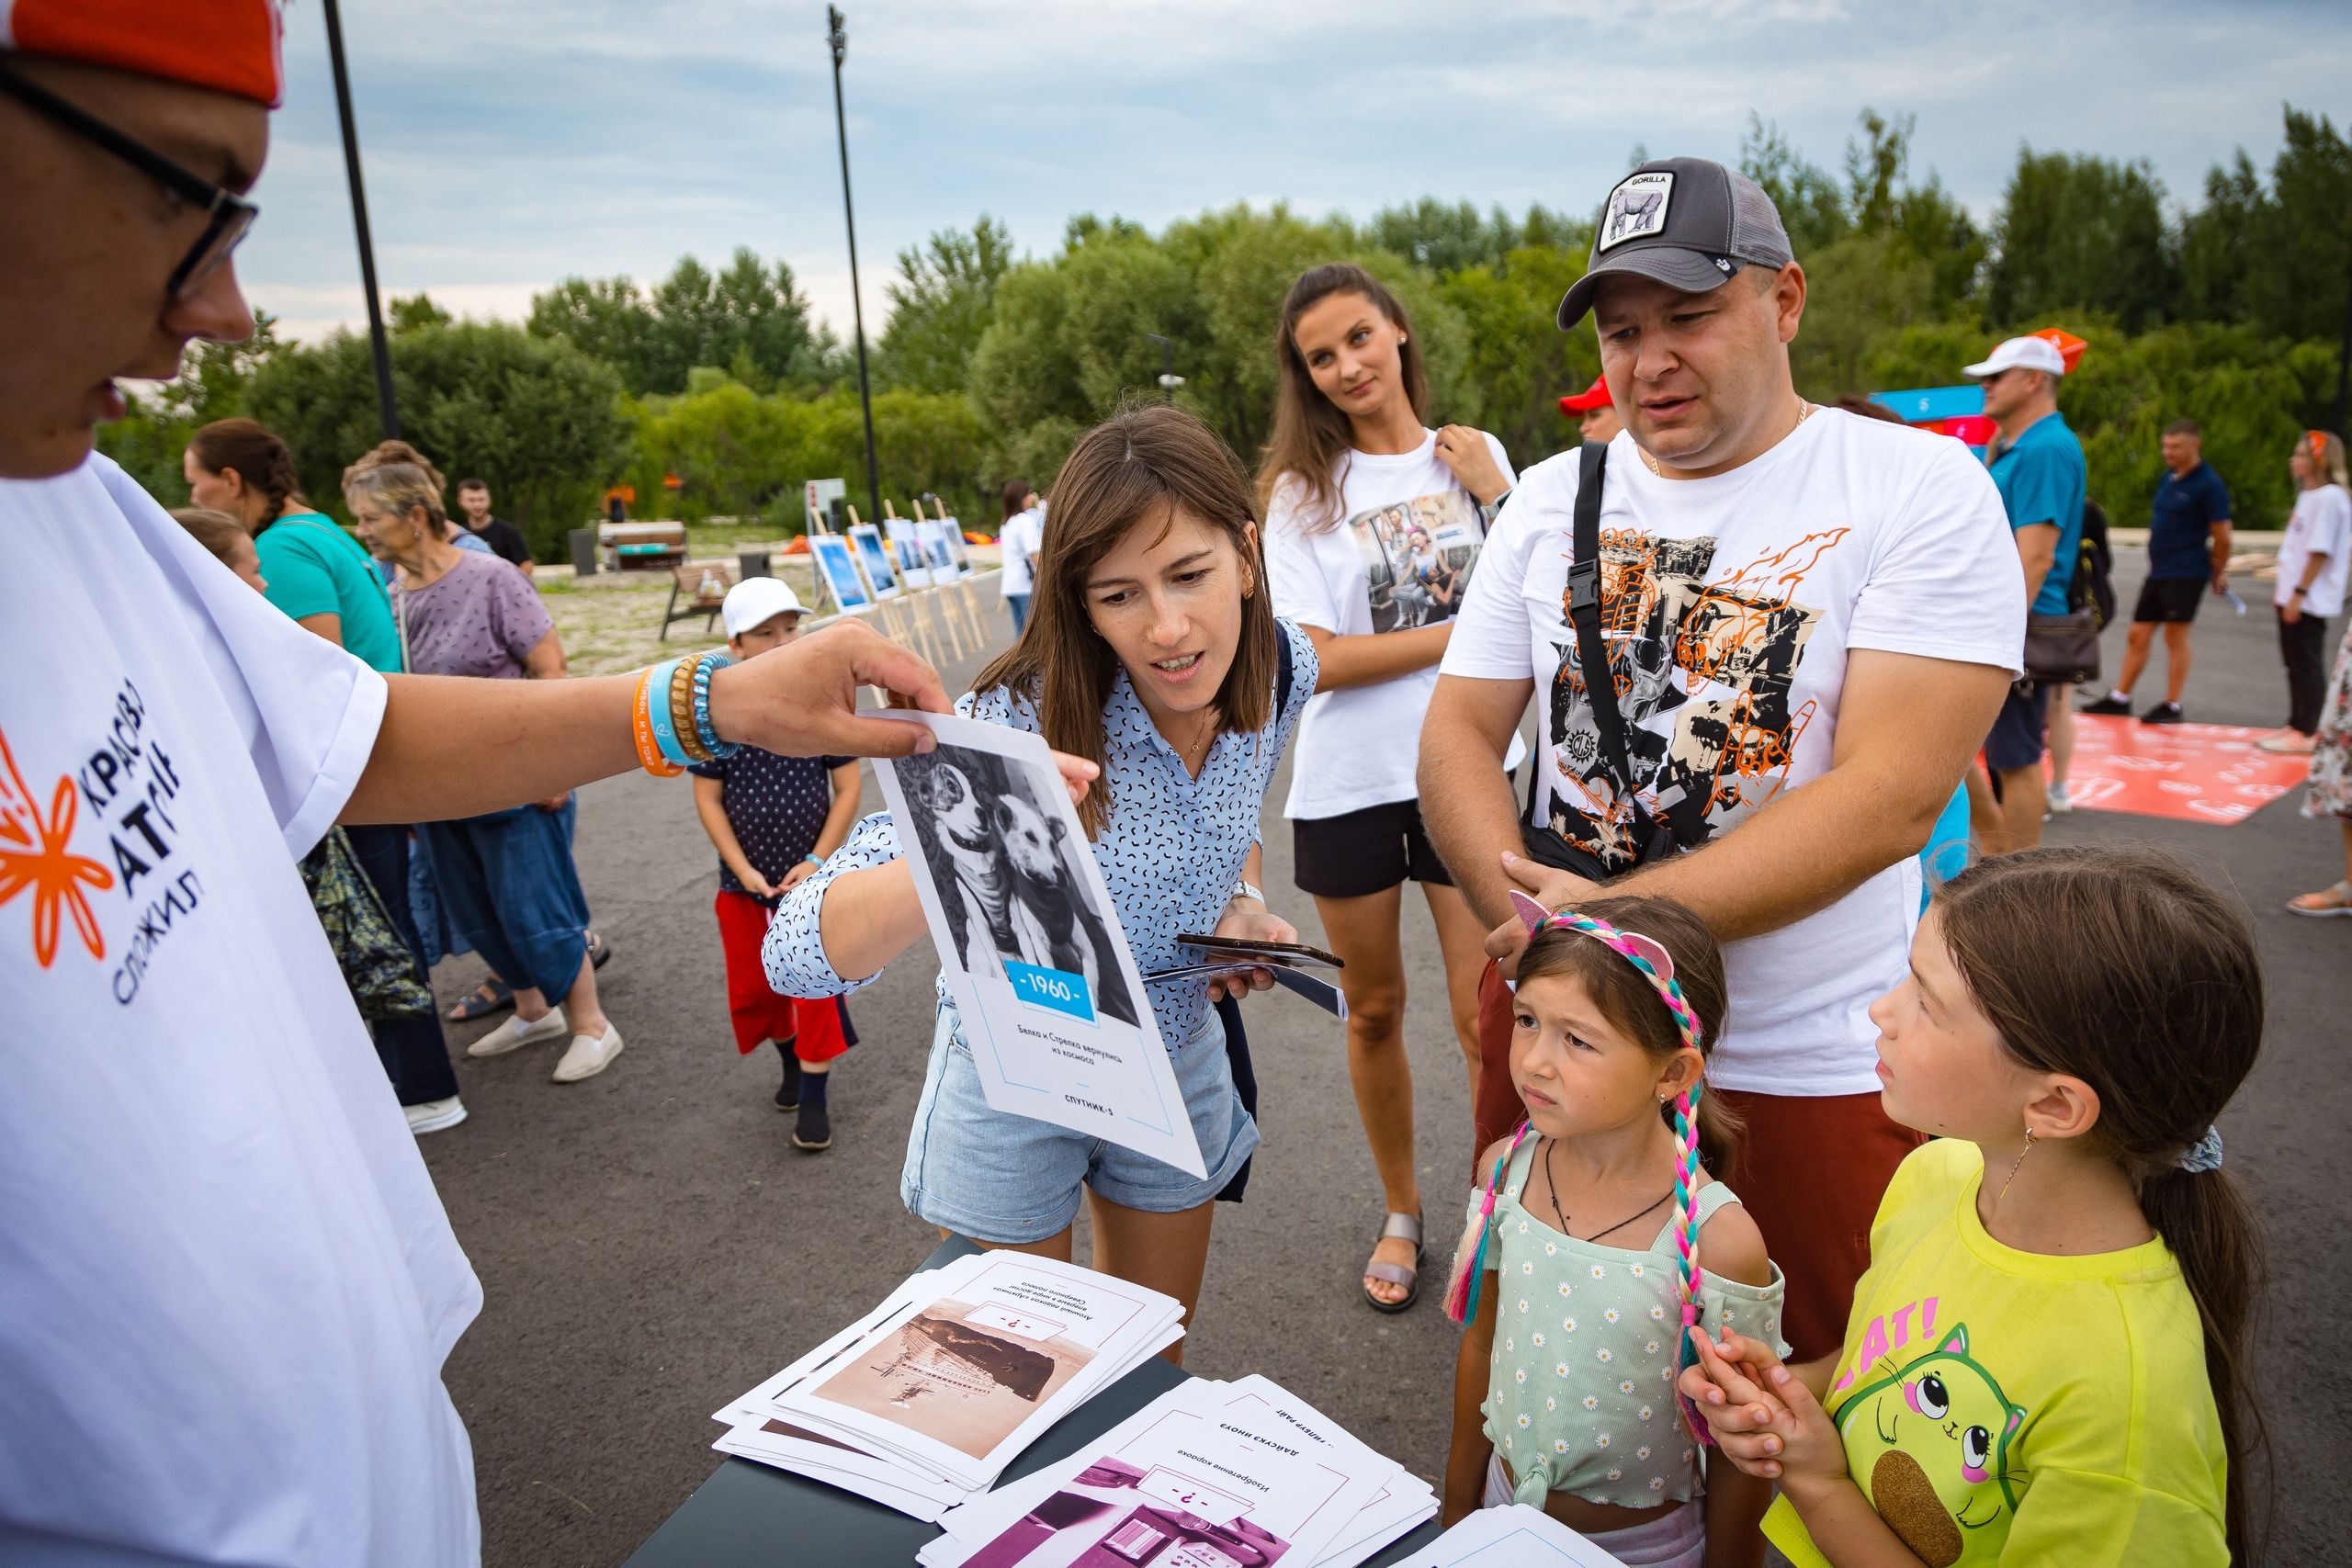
[1246, 890]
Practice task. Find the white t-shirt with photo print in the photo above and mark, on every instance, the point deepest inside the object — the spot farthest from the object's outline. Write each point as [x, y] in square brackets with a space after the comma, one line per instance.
[1730, 605]
[1401, 557]
[227, 1285]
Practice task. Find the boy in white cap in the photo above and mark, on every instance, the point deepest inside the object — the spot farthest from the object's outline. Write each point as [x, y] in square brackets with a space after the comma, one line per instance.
[774, 821]
[2037, 466]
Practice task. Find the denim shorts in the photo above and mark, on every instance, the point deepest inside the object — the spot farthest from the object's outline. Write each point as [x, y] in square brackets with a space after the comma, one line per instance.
[999, 1177]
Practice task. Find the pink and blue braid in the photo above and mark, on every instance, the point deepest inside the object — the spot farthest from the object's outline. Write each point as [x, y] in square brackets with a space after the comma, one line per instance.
[1636, 951]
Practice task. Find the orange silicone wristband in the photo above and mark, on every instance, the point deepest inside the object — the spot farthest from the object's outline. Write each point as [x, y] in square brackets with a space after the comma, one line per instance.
[649, 753]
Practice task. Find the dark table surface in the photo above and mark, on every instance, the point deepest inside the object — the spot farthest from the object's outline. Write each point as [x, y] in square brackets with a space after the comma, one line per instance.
[753, 1515]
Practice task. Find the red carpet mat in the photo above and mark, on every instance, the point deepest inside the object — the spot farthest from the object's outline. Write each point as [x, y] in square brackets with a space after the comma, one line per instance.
[2191, 772]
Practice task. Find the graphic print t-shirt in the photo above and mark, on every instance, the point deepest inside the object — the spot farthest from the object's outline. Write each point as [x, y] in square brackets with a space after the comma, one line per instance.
[230, 1284]
[1729, 607]
[1402, 558]
[2016, 1408]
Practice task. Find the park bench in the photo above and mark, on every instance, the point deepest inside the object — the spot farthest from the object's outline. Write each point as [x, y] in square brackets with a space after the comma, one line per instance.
[698, 588]
[640, 547]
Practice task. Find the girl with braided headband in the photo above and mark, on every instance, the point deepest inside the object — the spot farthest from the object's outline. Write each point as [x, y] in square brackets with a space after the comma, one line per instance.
[1596, 1240]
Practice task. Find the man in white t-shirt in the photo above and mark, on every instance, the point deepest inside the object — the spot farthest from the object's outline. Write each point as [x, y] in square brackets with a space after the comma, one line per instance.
[1811, 619]
[227, 1286]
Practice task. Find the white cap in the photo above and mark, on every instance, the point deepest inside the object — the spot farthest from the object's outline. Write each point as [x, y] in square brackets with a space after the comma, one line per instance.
[2021, 353]
[756, 601]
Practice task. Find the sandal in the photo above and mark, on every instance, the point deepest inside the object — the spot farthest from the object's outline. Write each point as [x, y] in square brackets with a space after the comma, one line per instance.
[597, 951]
[491, 996]
[2326, 903]
[1403, 1227]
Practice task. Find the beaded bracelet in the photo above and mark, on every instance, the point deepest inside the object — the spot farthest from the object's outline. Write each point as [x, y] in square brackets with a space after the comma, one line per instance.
[681, 712]
[649, 753]
[657, 712]
[705, 667]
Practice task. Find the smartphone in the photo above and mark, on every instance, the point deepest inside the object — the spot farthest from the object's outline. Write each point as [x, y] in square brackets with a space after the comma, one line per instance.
[1295, 953]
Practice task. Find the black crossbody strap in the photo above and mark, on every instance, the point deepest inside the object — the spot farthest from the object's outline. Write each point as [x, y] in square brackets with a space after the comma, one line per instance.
[1584, 617]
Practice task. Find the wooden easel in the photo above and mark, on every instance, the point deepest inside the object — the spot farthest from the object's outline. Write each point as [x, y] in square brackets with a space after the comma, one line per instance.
[897, 624]
[944, 623]
[965, 598]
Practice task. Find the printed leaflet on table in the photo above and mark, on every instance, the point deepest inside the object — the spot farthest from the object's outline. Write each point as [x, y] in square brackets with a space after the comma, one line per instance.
[1029, 941]
[1209, 1475]
[931, 1396]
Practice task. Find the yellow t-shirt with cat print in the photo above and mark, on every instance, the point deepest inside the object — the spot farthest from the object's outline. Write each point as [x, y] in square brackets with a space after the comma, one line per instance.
[2013, 1407]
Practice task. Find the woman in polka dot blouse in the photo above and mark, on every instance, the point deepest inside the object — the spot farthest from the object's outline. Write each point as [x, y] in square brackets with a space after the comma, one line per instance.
[1152, 660]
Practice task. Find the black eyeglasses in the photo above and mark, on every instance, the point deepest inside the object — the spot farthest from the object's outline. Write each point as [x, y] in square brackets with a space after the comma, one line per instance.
[228, 215]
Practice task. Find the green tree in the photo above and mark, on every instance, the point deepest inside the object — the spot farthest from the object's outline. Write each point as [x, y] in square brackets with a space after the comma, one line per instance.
[538, 419]
[941, 303]
[605, 318]
[411, 311]
[751, 314]
[2299, 268]
[2076, 233]
[1812, 205]
[1519, 361]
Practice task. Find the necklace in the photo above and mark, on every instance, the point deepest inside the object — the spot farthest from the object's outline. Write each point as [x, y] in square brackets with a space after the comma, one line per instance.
[1804, 412]
[1552, 1181]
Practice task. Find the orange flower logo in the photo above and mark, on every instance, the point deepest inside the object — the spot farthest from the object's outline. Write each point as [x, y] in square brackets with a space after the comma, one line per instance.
[35, 853]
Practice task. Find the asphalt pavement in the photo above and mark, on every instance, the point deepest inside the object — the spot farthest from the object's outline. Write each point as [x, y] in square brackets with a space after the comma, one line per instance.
[650, 1244]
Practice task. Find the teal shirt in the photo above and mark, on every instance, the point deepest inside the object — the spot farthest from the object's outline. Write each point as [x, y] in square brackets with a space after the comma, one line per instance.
[315, 569]
[2042, 478]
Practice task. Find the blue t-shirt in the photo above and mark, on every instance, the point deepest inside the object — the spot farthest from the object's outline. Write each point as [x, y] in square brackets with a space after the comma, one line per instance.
[2042, 478]
[2180, 523]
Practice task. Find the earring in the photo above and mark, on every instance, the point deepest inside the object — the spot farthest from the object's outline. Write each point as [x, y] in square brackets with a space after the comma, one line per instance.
[2013, 1168]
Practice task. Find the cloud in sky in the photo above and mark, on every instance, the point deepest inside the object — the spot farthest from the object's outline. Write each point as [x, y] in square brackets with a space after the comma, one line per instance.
[511, 143]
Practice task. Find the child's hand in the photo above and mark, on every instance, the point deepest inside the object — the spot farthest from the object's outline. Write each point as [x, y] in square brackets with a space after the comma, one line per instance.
[758, 887]
[797, 876]
[1763, 1417]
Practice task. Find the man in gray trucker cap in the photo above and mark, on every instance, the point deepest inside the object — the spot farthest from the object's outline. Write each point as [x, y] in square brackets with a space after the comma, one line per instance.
[1808, 620]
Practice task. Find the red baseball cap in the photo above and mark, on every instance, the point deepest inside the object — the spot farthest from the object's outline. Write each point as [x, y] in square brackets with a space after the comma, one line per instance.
[1593, 397]
[230, 46]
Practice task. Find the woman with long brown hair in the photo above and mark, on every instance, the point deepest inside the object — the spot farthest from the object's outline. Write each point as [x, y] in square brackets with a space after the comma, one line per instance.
[2047, 1359]
[1153, 662]
[1374, 522]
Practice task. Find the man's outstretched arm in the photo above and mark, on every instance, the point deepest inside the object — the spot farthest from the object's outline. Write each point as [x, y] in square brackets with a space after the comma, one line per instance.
[451, 748]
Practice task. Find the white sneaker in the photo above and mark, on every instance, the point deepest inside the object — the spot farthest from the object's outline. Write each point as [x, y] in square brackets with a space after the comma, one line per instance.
[2061, 802]
[513, 1033]
[588, 1055]
[435, 1115]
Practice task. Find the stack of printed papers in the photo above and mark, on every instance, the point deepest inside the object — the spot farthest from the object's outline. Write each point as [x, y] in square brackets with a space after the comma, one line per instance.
[1208, 1475]
[921, 1404]
[1515, 1537]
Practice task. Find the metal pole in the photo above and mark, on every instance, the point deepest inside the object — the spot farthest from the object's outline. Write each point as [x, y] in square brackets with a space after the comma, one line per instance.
[359, 221]
[839, 39]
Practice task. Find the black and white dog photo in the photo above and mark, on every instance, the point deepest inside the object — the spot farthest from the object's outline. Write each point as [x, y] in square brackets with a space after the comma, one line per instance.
[1003, 860]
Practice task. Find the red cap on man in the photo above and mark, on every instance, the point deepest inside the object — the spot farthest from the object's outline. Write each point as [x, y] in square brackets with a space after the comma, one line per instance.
[229, 46]
[1593, 397]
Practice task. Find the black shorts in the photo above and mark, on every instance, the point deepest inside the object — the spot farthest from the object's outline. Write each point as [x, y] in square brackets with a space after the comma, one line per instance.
[1362, 853]
[2170, 599]
[2016, 741]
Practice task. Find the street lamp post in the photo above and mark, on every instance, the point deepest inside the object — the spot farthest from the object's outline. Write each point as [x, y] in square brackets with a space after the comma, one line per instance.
[837, 38]
[1168, 379]
[383, 353]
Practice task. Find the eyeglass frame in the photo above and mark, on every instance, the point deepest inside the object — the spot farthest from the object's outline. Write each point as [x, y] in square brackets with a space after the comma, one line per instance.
[227, 213]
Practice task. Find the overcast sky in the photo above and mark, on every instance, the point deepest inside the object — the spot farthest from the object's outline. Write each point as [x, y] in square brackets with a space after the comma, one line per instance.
[510, 143]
